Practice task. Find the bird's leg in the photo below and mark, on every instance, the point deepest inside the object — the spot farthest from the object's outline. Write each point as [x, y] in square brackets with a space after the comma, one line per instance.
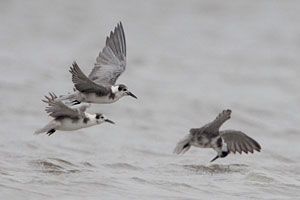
[51, 131]
[75, 102]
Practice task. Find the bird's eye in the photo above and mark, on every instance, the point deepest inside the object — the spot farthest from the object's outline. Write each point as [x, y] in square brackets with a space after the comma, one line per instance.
[125, 90]
[102, 117]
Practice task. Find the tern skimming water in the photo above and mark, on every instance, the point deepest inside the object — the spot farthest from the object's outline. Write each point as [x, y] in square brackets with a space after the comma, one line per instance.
[68, 118]
[100, 86]
[223, 142]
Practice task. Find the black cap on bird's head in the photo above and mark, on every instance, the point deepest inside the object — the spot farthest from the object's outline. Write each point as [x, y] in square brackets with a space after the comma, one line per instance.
[123, 88]
[222, 155]
[100, 117]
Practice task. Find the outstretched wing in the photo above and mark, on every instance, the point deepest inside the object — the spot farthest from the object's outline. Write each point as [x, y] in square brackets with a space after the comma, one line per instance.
[56, 108]
[214, 126]
[111, 62]
[238, 141]
[84, 84]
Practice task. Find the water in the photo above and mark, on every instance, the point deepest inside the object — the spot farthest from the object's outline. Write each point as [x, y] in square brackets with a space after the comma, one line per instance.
[187, 61]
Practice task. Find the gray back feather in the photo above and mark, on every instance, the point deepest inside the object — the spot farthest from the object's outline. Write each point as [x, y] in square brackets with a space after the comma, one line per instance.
[111, 62]
[83, 84]
[211, 129]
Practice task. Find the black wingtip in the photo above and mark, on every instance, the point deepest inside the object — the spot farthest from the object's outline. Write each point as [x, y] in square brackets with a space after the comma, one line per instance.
[74, 68]
[74, 64]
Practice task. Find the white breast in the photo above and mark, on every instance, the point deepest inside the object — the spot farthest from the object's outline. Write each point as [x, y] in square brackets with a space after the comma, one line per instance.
[71, 125]
[93, 98]
[224, 145]
[114, 89]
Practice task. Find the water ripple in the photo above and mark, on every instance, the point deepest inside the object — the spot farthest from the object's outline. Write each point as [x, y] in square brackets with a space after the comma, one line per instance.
[216, 169]
[55, 166]
[122, 166]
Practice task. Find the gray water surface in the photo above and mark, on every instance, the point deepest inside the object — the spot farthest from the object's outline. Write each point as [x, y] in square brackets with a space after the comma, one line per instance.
[187, 61]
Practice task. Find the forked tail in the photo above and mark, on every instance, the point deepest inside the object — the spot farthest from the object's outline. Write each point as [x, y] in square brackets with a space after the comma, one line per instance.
[184, 145]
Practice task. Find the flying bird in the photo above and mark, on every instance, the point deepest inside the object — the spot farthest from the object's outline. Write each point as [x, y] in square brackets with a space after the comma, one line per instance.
[223, 142]
[100, 85]
[68, 118]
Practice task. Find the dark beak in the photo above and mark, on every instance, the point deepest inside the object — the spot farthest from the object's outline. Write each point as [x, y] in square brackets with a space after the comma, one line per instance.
[215, 158]
[132, 95]
[109, 121]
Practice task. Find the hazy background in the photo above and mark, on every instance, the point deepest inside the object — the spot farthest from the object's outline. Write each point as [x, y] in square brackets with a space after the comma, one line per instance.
[187, 61]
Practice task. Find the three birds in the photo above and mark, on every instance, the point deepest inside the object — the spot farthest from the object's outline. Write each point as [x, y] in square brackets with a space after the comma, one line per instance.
[69, 111]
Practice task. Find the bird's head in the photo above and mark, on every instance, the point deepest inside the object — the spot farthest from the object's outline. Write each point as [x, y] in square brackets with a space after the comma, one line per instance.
[100, 118]
[122, 90]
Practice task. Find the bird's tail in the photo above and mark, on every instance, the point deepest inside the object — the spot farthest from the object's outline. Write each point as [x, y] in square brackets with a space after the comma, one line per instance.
[51, 125]
[184, 145]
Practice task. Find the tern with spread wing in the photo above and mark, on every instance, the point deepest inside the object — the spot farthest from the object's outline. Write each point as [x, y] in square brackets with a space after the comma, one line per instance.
[223, 142]
[68, 118]
[100, 86]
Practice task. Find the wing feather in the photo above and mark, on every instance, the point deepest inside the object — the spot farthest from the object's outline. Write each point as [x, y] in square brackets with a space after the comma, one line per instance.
[56, 108]
[238, 147]
[238, 141]
[244, 147]
[111, 61]
[84, 84]
[215, 125]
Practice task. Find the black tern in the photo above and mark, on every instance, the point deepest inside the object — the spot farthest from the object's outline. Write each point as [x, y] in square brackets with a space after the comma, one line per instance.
[223, 142]
[68, 118]
[100, 86]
